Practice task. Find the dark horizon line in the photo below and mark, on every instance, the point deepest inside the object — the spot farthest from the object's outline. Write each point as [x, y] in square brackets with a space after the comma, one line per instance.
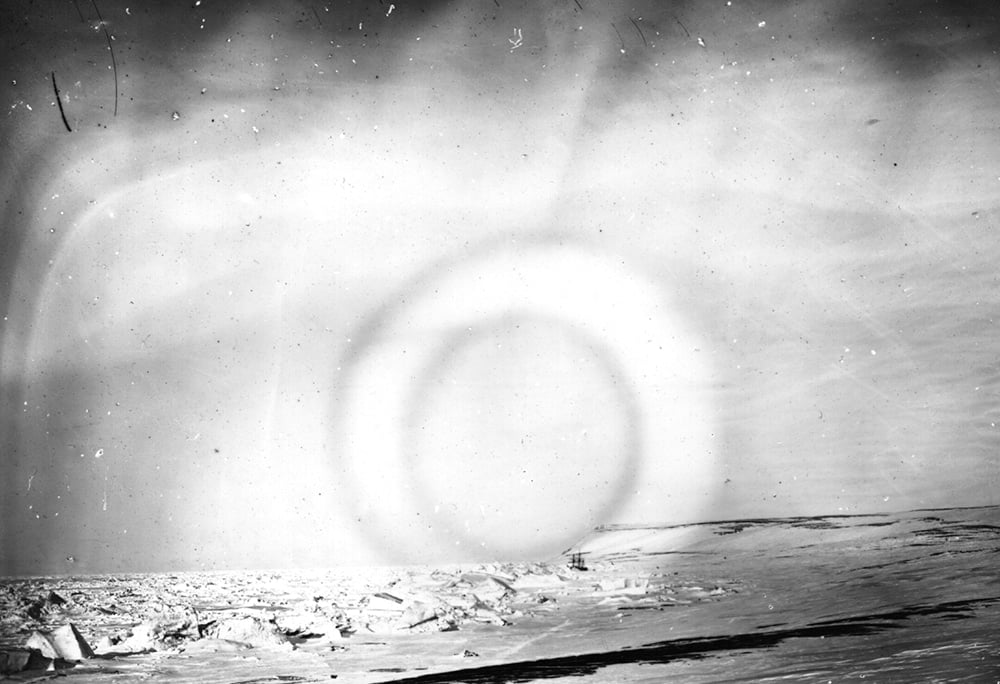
[614, 527]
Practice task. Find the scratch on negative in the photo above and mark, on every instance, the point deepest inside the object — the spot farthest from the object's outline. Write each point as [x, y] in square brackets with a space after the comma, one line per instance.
[639, 30]
[114, 62]
[62, 112]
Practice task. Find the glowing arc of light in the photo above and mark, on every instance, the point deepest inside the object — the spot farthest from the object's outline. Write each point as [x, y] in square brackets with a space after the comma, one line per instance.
[604, 298]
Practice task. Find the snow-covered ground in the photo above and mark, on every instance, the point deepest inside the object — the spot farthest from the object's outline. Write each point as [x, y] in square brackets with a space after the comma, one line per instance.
[897, 597]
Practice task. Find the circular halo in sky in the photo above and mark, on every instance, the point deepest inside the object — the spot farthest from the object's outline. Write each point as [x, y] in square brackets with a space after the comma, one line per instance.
[521, 424]
[620, 319]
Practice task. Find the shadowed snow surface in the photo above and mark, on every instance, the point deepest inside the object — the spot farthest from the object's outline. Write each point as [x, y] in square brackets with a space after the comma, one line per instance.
[893, 597]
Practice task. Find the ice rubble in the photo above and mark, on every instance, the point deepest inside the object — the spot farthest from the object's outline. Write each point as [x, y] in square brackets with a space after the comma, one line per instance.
[192, 613]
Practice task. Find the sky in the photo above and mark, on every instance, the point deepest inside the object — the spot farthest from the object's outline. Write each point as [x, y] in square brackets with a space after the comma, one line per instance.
[307, 284]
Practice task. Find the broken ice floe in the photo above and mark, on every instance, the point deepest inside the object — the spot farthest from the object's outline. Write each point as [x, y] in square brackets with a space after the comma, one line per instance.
[185, 614]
